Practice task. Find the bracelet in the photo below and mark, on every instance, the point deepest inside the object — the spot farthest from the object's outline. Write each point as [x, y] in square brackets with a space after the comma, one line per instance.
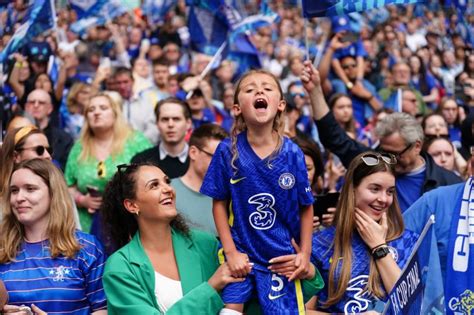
[374, 248]
[18, 64]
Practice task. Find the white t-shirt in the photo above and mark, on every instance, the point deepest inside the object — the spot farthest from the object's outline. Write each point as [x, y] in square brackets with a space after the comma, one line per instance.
[167, 291]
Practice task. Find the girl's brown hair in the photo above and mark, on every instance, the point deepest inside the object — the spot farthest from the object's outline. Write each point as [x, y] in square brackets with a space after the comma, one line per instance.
[61, 226]
[344, 222]
[239, 123]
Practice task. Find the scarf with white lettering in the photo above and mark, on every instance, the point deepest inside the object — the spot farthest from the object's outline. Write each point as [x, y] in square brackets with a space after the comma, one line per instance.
[459, 284]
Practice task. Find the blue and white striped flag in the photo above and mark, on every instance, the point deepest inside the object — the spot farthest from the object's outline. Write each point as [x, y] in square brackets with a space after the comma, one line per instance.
[156, 10]
[41, 17]
[103, 13]
[87, 8]
[320, 8]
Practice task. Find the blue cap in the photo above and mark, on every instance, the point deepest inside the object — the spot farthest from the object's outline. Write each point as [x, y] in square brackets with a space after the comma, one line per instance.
[340, 23]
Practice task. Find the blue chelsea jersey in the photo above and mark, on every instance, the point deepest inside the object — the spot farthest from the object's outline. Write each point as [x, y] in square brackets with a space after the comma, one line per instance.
[265, 197]
[356, 298]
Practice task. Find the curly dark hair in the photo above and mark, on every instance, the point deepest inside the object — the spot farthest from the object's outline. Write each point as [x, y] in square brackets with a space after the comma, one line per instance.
[117, 221]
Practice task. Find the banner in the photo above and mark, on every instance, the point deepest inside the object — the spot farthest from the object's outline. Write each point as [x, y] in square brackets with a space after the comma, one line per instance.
[419, 290]
[320, 8]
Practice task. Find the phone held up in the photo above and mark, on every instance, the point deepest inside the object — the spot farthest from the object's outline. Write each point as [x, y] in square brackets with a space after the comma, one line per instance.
[323, 202]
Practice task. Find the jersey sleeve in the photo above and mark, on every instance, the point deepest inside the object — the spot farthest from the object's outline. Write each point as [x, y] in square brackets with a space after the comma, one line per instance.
[305, 195]
[216, 181]
[93, 262]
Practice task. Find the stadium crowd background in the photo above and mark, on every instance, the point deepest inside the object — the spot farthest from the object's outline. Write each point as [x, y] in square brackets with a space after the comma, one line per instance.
[93, 97]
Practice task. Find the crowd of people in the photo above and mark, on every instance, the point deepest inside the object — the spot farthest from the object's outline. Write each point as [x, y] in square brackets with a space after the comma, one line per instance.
[134, 182]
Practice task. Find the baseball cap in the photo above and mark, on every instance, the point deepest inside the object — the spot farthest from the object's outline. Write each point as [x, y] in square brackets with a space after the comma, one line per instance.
[340, 23]
[38, 51]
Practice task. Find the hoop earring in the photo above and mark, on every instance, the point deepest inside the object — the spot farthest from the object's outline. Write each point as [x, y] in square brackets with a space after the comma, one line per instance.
[137, 213]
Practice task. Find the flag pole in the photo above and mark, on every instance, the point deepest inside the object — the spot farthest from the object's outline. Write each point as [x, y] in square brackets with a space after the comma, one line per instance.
[208, 68]
[306, 39]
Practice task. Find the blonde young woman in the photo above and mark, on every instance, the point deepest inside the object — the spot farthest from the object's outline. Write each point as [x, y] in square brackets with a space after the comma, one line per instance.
[361, 255]
[105, 142]
[45, 263]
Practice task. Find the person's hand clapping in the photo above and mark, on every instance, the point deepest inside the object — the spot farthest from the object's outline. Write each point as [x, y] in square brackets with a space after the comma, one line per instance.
[371, 232]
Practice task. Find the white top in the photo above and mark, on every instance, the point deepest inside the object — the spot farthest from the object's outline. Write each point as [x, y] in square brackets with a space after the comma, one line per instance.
[167, 291]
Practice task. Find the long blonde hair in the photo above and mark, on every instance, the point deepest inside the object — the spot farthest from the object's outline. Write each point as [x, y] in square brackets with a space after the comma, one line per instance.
[72, 105]
[344, 221]
[61, 225]
[239, 123]
[121, 131]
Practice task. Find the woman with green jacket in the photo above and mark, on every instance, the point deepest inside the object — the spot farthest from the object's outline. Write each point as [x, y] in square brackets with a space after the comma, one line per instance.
[163, 267]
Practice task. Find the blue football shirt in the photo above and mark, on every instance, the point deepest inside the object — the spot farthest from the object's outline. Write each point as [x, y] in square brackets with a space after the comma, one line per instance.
[265, 197]
[60, 285]
[356, 298]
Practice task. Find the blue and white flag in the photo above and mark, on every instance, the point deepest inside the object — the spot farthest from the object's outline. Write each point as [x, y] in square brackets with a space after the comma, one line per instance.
[459, 292]
[156, 10]
[87, 8]
[41, 17]
[419, 290]
[320, 8]
[103, 13]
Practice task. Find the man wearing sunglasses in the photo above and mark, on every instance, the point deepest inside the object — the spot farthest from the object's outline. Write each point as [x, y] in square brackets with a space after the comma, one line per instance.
[196, 207]
[39, 106]
[399, 133]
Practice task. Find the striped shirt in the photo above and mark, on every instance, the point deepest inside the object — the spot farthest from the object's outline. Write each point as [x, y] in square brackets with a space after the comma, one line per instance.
[60, 285]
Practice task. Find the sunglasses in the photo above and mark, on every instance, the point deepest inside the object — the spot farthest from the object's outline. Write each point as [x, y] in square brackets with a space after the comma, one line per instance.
[397, 155]
[293, 95]
[101, 169]
[372, 159]
[39, 149]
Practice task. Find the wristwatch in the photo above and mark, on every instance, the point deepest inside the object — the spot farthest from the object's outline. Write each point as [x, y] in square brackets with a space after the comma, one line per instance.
[349, 85]
[380, 252]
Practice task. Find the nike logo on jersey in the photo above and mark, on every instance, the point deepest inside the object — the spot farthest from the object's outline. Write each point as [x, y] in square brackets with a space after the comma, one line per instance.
[274, 297]
[235, 181]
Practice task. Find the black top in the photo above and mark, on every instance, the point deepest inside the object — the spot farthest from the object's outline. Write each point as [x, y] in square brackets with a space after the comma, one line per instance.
[335, 139]
[61, 143]
[171, 166]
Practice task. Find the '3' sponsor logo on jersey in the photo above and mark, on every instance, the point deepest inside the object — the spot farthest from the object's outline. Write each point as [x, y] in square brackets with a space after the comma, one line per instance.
[265, 216]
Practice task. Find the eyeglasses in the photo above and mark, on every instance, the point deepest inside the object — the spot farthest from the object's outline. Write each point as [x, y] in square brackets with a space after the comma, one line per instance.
[397, 155]
[101, 169]
[204, 151]
[350, 65]
[39, 149]
[372, 159]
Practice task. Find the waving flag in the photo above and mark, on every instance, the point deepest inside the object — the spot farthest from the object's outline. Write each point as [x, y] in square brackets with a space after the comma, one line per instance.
[214, 22]
[156, 10]
[41, 17]
[103, 12]
[320, 8]
[87, 8]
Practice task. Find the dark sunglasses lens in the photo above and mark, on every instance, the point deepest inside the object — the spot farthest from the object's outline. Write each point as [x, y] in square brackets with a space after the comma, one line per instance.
[389, 158]
[40, 150]
[370, 160]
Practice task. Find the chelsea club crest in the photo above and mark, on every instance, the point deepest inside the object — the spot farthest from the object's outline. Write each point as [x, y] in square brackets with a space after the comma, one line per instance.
[286, 181]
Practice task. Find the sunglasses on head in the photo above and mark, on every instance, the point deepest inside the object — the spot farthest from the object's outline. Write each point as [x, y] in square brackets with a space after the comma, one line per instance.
[372, 159]
[39, 149]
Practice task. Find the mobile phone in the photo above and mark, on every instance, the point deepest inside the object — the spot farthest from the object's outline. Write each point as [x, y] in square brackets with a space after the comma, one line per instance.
[93, 191]
[104, 62]
[349, 37]
[323, 202]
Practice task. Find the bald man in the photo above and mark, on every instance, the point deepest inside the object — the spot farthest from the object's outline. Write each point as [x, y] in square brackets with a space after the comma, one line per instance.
[39, 106]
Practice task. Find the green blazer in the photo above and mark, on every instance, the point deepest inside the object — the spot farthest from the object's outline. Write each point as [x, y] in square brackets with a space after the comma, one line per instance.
[129, 278]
